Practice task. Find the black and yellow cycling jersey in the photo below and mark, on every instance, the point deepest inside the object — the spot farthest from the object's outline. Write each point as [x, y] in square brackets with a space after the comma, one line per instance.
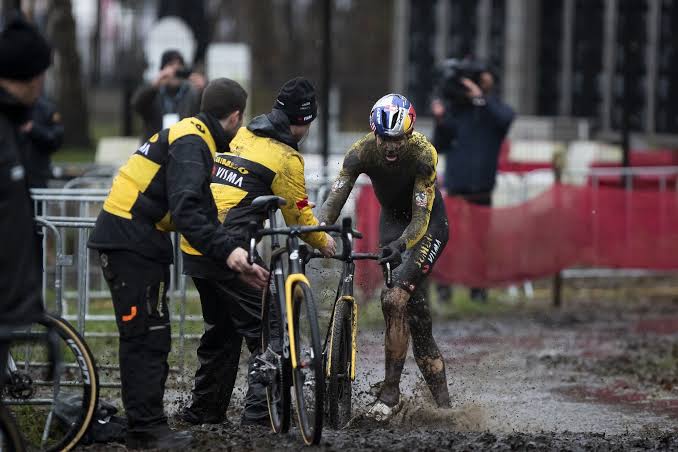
[256, 165]
[405, 188]
[158, 190]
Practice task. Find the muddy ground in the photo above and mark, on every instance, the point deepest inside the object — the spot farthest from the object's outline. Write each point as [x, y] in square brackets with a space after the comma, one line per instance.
[591, 376]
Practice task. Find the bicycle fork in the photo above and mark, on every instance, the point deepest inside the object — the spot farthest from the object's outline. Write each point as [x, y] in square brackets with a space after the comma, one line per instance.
[336, 323]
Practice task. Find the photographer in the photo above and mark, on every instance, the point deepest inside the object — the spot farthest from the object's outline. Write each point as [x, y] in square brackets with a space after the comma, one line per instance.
[471, 124]
[174, 95]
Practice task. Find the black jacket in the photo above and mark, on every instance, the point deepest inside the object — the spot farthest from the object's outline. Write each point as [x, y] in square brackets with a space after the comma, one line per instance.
[152, 103]
[165, 186]
[20, 273]
[44, 138]
[471, 138]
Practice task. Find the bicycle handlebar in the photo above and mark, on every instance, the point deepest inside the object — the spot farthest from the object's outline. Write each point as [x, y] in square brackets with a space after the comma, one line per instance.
[345, 230]
[388, 276]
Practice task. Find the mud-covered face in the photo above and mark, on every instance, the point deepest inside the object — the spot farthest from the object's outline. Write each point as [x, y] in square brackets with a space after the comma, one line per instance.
[391, 147]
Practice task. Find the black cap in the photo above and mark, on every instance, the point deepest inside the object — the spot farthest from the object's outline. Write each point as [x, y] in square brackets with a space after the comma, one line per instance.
[223, 96]
[24, 52]
[297, 100]
[169, 56]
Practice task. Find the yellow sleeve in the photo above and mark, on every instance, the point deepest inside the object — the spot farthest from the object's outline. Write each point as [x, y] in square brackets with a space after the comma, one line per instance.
[423, 195]
[290, 183]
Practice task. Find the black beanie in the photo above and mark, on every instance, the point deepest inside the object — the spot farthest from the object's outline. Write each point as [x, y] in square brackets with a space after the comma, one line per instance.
[24, 53]
[168, 56]
[223, 96]
[297, 100]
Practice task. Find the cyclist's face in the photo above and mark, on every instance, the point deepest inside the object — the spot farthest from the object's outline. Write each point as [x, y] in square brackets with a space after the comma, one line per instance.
[391, 147]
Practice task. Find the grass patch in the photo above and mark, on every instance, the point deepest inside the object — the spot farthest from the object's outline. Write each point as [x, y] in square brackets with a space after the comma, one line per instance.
[73, 155]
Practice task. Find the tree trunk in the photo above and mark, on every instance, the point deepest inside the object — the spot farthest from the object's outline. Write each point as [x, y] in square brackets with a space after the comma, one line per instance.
[70, 90]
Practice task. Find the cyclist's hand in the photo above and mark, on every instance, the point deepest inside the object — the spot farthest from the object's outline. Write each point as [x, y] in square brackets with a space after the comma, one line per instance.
[391, 253]
[330, 247]
[258, 277]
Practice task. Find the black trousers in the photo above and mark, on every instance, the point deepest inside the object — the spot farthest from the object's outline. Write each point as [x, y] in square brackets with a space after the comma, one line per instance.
[139, 291]
[232, 312]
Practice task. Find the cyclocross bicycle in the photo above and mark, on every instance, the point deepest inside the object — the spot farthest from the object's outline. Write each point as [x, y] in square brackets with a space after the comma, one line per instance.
[340, 348]
[41, 377]
[292, 353]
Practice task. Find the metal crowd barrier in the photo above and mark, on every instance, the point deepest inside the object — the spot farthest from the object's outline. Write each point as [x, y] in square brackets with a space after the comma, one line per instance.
[72, 279]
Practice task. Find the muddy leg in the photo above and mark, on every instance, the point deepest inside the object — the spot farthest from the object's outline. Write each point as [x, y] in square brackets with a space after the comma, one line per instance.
[393, 305]
[425, 349]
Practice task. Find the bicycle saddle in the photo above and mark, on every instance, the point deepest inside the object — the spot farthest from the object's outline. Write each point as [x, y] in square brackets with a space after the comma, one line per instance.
[268, 202]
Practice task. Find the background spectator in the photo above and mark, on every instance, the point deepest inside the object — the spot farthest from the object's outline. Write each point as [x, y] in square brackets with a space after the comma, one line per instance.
[44, 133]
[471, 123]
[174, 95]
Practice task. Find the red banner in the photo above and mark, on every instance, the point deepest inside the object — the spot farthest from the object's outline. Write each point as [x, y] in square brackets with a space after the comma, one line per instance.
[564, 227]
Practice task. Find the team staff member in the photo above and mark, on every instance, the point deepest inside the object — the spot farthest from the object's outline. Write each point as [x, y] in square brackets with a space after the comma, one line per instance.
[264, 160]
[401, 164]
[164, 185]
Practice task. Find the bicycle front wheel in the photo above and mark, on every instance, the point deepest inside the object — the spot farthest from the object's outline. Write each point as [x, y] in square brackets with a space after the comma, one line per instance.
[308, 378]
[339, 361]
[52, 414]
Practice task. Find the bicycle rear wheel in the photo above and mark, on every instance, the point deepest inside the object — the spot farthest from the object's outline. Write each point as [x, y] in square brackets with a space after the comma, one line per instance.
[339, 361]
[10, 438]
[309, 381]
[278, 390]
[52, 414]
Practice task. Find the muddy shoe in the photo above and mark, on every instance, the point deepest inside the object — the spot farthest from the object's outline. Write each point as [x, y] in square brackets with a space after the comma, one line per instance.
[161, 437]
[195, 417]
[380, 412]
[261, 422]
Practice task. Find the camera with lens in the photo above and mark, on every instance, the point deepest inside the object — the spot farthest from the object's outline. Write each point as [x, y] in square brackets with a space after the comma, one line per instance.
[183, 72]
[450, 74]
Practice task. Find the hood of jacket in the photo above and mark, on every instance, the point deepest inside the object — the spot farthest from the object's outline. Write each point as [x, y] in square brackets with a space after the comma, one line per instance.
[274, 125]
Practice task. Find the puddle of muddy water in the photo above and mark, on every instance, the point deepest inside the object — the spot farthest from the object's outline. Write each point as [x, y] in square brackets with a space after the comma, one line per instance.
[563, 382]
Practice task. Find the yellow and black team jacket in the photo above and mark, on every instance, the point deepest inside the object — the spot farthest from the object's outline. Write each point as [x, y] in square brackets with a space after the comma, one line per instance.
[165, 186]
[263, 161]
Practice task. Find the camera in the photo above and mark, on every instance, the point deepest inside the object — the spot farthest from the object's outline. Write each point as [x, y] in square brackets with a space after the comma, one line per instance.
[183, 73]
[451, 72]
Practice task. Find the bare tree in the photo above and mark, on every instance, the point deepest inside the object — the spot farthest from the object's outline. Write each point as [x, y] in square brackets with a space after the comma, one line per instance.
[70, 90]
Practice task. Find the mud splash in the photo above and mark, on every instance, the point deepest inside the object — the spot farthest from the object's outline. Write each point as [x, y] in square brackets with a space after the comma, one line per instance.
[594, 378]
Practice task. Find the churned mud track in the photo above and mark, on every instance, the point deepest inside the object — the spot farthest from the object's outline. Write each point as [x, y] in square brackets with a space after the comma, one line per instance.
[588, 379]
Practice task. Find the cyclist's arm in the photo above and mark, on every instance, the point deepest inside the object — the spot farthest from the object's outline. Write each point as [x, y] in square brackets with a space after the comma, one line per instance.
[289, 183]
[341, 188]
[423, 195]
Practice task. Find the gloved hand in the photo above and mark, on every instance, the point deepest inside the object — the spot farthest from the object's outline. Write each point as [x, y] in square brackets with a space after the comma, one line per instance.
[392, 253]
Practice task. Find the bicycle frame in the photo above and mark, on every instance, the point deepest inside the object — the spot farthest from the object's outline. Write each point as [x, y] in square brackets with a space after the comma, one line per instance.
[279, 280]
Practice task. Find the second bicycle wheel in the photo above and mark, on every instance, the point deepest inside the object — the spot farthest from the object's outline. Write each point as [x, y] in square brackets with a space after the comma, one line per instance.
[309, 381]
[52, 414]
[339, 357]
[278, 389]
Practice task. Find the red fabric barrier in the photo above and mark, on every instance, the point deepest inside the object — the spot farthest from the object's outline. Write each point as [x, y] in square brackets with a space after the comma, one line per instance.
[563, 227]
[639, 159]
